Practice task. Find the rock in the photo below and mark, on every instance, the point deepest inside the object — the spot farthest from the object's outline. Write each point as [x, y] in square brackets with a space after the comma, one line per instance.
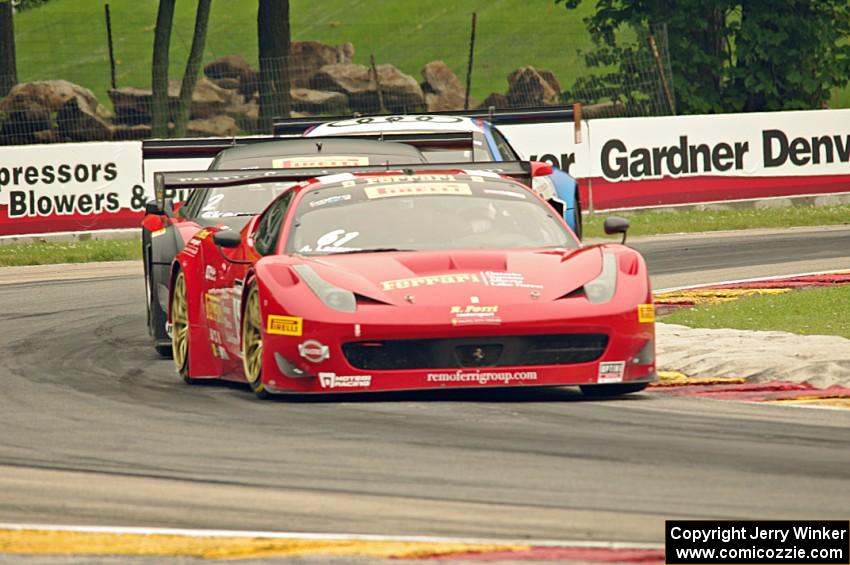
[230, 66]
[528, 88]
[401, 93]
[133, 105]
[442, 89]
[208, 99]
[439, 78]
[46, 136]
[234, 70]
[78, 123]
[247, 115]
[25, 116]
[550, 79]
[49, 94]
[307, 57]
[445, 102]
[216, 126]
[496, 100]
[122, 132]
[319, 102]
[249, 85]
[227, 83]
[30, 109]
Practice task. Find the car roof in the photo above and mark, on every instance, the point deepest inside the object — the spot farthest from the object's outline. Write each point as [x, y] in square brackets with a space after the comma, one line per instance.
[397, 124]
[260, 154]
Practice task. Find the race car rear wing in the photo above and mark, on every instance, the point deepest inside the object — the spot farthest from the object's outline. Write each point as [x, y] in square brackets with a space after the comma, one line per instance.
[540, 115]
[210, 147]
[168, 182]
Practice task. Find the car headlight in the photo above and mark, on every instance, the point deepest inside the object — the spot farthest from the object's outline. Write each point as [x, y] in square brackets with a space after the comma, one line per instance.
[331, 296]
[544, 187]
[601, 289]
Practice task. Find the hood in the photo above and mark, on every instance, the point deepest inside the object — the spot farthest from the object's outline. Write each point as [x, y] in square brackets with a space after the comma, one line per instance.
[439, 278]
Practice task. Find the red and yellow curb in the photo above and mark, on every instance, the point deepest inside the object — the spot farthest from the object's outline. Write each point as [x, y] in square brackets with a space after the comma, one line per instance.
[24, 539]
[51, 542]
[728, 292]
[675, 383]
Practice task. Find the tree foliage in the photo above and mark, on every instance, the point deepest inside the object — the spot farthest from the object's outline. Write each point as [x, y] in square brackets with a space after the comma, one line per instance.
[734, 55]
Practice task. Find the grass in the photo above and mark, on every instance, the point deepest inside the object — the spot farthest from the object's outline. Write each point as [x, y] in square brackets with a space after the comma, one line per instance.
[70, 252]
[814, 311]
[67, 38]
[652, 223]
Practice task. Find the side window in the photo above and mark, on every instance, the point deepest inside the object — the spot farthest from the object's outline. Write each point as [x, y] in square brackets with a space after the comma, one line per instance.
[508, 153]
[190, 208]
[268, 228]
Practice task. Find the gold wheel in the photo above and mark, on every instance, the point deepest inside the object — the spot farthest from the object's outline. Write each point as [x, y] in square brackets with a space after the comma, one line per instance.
[180, 326]
[252, 342]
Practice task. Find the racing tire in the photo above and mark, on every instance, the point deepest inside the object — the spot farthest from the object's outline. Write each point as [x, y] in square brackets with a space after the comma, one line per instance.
[156, 316]
[180, 327]
[252, 342]
[618, 389]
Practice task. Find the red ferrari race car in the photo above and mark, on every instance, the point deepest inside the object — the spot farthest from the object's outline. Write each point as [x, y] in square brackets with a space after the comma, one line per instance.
[435, 276]
[165, 232]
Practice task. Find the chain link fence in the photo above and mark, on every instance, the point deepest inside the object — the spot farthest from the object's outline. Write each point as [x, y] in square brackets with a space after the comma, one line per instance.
[74, 84]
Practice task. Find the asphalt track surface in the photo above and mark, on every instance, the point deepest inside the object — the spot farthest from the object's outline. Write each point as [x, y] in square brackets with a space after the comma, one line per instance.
[96, 429]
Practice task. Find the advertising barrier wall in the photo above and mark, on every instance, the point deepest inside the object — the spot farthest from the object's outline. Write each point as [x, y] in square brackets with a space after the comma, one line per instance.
[623, 162]
[636, 162]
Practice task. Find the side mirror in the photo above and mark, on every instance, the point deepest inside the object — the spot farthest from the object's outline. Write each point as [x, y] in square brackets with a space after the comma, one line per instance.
[616, 224]
[227, 238]
[540, 169]
[152, 208]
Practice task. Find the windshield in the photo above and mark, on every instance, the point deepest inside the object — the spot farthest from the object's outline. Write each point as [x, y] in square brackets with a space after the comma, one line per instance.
[423, 212]
[245, 200]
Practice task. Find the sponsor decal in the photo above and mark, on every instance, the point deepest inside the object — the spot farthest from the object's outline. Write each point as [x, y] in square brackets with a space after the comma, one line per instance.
[482, 377]
[314, 351]
[332, 380]
[330, 200]
[212, 309]
[430, 281]
[334, 241]
[619, 162]
[284, 325]
[210, 273]
[215, 337]
[504, 279]
[611, 372]
[418, 189]
[203, 234]
[646, 313]
[388, 179]
[474, 314]
[378, 120]
[318, 161]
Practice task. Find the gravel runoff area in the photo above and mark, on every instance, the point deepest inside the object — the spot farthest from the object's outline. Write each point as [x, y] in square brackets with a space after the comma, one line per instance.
[758, 356]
